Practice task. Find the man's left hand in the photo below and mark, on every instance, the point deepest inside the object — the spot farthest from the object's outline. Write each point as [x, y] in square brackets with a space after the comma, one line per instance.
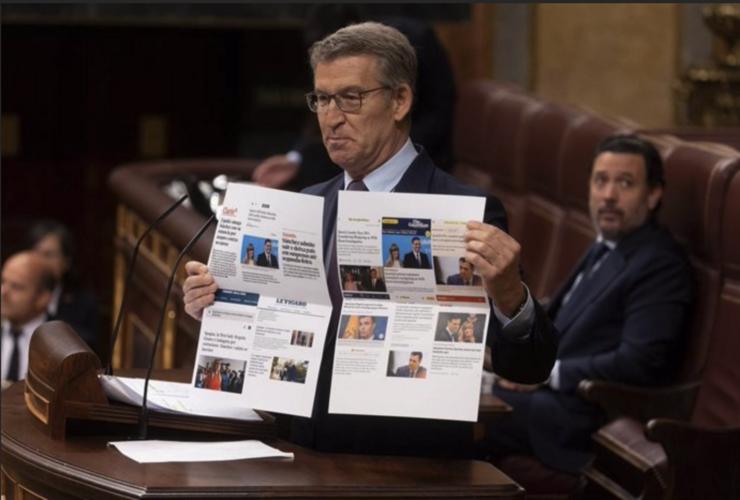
[495, 256]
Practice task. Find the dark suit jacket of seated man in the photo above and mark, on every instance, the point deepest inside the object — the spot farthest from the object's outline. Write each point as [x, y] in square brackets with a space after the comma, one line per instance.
[363, 112]
[620, 319]
[410, 261]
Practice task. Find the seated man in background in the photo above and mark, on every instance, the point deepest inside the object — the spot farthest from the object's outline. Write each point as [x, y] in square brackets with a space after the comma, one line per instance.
[27, 284]
[70, 301]
[432, 114]
[620, 315]
[364, 80]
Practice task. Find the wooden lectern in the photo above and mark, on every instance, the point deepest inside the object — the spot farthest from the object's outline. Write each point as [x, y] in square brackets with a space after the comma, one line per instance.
[62, 386]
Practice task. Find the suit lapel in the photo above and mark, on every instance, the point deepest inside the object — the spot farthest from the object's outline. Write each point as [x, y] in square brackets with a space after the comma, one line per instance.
[590, 290]
[418, 176]
[603, 279]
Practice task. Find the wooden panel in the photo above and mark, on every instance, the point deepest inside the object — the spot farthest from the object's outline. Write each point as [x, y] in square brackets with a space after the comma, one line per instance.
[620, 59]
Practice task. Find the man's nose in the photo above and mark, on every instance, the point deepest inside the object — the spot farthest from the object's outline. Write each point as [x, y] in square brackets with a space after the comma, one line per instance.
[611, 191]
[333, 115]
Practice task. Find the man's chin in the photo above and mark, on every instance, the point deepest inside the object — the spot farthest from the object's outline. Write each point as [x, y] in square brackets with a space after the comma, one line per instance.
[610, 233]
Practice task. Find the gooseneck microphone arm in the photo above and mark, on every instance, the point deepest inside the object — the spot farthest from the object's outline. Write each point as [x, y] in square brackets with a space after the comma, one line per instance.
[144, 417]
[129, 275]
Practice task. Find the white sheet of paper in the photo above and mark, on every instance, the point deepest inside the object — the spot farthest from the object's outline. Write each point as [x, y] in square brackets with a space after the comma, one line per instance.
[404, 364]
[267, 326]
[156, 451]
[172, 397]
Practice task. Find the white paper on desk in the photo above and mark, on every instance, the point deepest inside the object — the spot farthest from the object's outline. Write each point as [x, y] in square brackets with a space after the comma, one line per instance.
[374, 375]
[261, 341]
[171, 397]
[155, 451]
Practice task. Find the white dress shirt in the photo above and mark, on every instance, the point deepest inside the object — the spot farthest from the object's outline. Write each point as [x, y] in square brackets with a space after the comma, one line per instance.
[24, 341]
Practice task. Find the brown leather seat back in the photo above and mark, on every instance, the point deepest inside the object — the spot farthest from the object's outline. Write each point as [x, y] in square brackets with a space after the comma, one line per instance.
[542, 142]
[692, 207]
[470, 133]
[505, 121]
[718, 402]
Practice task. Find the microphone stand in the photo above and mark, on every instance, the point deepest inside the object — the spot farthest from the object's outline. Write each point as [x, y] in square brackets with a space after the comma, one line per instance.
[144, 417]
[129, 275]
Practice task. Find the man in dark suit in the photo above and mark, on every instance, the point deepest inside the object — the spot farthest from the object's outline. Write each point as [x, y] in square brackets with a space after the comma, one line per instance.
[266, 258]
[364, 76]
[620, 315]
[414, 368]
[416, 259]
[432, 115]
[448, 331]
[465, 277]
[375, 283]
[27, 284]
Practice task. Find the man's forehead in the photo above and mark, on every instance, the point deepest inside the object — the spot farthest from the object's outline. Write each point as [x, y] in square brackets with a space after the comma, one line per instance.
[627, 163]
[357, 71]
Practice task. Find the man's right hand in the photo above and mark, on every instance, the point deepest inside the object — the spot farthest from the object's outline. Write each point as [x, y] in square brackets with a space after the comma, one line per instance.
[275, 171]
[199, 288]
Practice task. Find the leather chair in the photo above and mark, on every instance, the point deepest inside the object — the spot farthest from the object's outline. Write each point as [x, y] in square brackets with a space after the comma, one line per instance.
[470, 134]
[506, 119]
[701, 208]
[541, 215]
[703, 456]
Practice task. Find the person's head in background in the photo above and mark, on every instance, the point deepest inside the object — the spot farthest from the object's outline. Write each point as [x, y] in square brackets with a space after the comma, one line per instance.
[27, 283]
[52, 241]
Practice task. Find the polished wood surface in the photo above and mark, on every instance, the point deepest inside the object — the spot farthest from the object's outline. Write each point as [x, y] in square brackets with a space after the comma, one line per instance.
[84, 467]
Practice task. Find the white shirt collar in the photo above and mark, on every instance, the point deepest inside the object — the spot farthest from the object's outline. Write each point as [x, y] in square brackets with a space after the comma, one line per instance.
[384, 178]
[609, 243]
[24, 343]
[54, 303]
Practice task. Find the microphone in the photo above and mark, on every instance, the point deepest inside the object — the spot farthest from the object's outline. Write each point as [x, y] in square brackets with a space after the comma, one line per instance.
[144, 416]
[129, 275]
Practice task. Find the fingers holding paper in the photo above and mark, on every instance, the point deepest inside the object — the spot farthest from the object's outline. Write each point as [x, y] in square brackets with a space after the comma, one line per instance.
[199, 289]
[495, 256]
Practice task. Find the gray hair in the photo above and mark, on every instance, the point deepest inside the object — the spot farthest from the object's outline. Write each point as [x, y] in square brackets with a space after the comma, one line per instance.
[395, 55]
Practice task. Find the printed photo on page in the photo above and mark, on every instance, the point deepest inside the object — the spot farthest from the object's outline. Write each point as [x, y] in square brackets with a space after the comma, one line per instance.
[411, 335]
[262, 340]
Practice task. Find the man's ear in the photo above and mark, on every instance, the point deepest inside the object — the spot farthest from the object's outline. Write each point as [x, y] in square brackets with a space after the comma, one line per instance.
[654, 196]
[42, 300]
[402, 100]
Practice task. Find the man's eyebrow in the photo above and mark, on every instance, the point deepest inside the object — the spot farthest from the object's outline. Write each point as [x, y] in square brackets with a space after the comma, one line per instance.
[350, 88]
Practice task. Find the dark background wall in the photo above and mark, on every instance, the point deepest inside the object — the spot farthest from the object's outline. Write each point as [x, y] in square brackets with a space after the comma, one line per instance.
[89, 87]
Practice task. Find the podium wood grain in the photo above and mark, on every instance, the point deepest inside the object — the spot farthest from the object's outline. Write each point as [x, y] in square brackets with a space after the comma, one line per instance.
[34, 466]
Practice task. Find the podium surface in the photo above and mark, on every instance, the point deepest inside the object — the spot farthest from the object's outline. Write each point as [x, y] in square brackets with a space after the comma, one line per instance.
[83, 466]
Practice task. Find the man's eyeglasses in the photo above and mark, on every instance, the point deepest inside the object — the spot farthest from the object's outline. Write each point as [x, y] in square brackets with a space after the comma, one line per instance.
[348, 101]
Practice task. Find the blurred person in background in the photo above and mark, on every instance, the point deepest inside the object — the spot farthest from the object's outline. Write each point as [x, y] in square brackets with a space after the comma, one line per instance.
[70, 302]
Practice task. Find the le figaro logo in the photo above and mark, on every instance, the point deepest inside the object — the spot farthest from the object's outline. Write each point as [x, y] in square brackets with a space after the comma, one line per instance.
[230, 211]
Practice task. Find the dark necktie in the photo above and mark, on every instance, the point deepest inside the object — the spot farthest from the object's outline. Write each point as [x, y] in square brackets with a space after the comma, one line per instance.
[14, 367]
[597, 251]
[576, 294]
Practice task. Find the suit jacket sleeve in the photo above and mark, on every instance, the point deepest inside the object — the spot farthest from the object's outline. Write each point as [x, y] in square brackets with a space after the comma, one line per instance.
[527, 360]
[655, 312]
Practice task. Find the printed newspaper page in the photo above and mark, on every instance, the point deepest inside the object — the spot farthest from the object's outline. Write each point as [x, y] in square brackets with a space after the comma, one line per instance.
[262, 339]
[412, 331]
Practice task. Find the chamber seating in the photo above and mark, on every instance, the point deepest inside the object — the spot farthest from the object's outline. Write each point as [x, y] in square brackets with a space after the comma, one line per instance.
[541, 176]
